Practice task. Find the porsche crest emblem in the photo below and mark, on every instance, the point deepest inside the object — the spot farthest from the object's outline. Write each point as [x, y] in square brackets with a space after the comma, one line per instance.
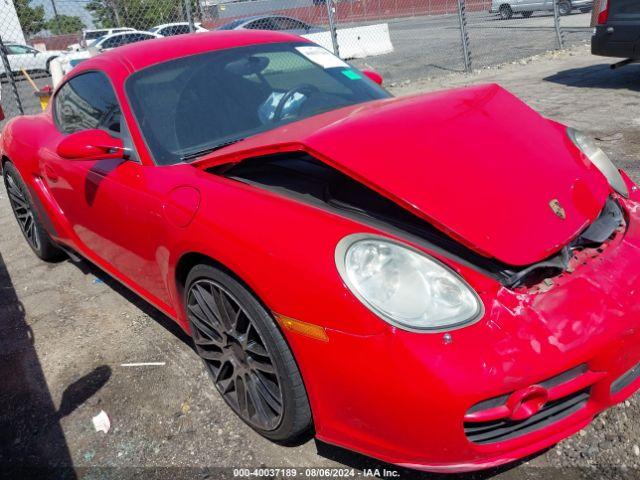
[557, 209]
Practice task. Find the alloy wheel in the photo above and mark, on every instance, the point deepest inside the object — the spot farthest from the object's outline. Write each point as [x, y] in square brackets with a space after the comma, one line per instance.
[235, 354]
[24, 213]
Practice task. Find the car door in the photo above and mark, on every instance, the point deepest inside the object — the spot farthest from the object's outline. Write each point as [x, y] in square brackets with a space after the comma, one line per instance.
[21, 56]
[107, 202]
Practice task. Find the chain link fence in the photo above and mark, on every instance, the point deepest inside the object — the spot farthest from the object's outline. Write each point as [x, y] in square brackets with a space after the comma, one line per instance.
[404, 40]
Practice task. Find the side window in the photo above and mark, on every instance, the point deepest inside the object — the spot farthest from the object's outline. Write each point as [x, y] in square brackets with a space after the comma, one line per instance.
[112, 42]
[284, 23]
[261, 24]
[85, 102]
[18, 50]
[181, 29]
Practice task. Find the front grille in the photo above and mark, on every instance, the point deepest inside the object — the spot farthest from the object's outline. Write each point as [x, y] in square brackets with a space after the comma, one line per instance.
[506, 429]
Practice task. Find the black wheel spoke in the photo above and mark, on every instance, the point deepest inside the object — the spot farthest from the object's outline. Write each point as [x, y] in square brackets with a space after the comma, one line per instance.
[23, 212]
[266, 367]
[256, 349]
[269, 384]
[227, 314]
[228, 341]
[205, 302]
[207, 330]
[18, 200]
[267, 395]
[212, 355]
[257, 402]
[241, 397]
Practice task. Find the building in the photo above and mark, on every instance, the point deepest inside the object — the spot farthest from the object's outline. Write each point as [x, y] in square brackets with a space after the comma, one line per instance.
[10, 28]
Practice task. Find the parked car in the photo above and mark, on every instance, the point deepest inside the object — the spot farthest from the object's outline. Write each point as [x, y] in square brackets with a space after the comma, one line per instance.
[178, 28]
[271, 22]
[617, 29]
[91, 35]
[24, 56]
[506, 8]
[107, 42]
[388, 294]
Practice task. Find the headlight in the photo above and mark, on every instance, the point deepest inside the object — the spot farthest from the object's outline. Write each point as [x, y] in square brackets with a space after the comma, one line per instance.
[403, 286]
[594, 153]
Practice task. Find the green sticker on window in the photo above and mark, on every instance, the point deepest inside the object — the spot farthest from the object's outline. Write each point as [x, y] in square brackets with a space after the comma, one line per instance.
[351, 75]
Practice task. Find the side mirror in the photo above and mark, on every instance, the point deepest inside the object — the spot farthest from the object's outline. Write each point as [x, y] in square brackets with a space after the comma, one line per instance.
[91, 145]
[375, 76]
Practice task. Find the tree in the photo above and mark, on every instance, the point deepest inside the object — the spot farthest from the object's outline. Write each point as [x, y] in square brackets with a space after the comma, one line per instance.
[63, 24]
[31, 18]
[139, 14]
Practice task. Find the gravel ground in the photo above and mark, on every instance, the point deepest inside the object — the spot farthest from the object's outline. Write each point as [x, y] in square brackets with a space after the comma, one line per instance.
[66, 329]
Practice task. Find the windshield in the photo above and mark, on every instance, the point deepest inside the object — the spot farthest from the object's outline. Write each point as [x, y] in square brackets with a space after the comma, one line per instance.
[191, 105]
[95, 42]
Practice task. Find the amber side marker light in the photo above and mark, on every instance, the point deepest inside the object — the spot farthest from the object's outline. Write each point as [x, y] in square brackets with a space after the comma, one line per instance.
[303, 328]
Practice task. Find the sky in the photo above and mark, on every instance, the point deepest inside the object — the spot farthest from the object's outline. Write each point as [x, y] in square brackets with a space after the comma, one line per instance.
[67, 7]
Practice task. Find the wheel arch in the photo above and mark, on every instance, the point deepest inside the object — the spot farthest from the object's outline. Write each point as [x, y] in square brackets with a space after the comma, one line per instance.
[48, 62]
[188, 260]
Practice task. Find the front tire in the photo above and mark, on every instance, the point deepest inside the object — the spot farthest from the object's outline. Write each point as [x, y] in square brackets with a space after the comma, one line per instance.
[246, 355]
[27, 216]
[505, 12]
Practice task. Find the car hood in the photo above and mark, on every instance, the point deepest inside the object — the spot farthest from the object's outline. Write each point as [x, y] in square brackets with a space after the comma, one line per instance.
[477, 163]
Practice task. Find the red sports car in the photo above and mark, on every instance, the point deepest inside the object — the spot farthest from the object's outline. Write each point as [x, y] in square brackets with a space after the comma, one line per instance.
[446, 281]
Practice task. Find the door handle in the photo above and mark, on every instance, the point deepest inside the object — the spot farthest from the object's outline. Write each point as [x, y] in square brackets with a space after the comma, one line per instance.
[51, 173]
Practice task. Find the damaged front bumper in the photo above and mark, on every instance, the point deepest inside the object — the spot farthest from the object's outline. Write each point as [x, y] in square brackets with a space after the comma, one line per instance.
[540, 365]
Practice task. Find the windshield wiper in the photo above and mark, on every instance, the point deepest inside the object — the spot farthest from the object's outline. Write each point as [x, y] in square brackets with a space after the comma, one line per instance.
[193, 155]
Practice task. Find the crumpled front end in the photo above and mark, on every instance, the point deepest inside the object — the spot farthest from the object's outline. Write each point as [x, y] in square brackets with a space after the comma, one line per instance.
[544, 360]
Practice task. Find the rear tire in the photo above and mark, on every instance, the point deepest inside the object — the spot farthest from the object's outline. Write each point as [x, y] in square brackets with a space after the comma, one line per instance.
[527, 14]
[564, 8]
[48, 66]
[27, 216]
[585, 10]
[246, 356]
[505, 12]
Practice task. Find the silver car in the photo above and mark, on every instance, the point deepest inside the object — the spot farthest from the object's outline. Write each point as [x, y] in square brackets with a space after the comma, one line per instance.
[271, 22]
[506, 8]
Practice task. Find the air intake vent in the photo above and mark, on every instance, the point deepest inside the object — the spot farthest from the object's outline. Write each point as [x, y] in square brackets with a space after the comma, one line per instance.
[501, 430]
[625, 380]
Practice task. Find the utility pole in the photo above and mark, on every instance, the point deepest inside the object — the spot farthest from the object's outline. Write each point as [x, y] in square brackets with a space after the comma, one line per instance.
[55, 12]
